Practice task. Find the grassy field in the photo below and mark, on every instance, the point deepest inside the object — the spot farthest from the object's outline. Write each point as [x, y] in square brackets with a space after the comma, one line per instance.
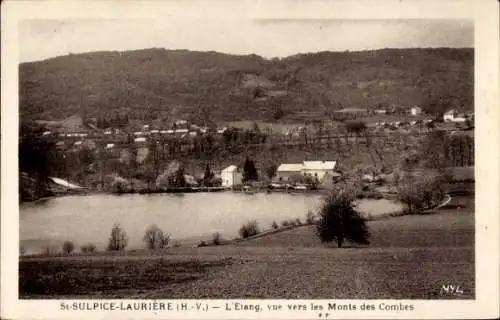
[410, 257]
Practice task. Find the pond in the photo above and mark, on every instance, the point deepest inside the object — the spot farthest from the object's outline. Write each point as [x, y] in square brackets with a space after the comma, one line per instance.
[186, 217]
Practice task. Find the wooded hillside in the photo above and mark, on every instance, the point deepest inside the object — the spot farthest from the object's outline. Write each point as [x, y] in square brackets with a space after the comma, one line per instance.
[158, 84]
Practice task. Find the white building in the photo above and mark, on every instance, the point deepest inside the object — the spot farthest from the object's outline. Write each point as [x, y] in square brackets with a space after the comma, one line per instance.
[313, 169]
[139, 140]
[221, 130]
[449, 115]
[318, 169]
[110, 146]
[453, 116]
[416, 111]
[231, 176]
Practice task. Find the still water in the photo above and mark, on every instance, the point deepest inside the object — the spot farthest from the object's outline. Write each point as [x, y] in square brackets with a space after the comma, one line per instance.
[187, 217]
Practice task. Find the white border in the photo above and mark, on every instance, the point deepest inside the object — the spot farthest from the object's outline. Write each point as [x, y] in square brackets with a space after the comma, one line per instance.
[485, 16]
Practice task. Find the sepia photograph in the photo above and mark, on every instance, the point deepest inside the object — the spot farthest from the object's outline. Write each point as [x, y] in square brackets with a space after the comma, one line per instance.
[329, 166]
[266, 157]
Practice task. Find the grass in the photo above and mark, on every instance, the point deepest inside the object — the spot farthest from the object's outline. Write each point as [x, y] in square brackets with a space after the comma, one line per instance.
[410, 257]
[107, 277]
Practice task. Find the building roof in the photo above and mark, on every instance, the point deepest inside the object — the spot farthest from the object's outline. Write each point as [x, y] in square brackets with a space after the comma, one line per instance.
[290, 167]
[319, 165]
[352, 110]
[231, 168]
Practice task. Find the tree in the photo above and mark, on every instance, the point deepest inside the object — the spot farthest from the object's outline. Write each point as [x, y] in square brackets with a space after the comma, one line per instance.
[68, 247]
[421, 190]
[249, 171]
[249, 229]
[39, 159]
[208, 176]
[339, 220]
[355, 126]
[255, 127]
[155, 238]
[120, 185]
[173, 177]
[216, 238]
[434, 150]
[271, 171]
[118, 239]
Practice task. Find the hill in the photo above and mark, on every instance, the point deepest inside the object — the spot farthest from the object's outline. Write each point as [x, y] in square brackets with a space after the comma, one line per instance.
[159, 84]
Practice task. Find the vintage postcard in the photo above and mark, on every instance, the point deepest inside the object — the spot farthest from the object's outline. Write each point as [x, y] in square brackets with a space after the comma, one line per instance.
[250, 159]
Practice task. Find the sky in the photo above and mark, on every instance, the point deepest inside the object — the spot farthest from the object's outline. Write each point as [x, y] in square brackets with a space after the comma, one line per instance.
[42, 39]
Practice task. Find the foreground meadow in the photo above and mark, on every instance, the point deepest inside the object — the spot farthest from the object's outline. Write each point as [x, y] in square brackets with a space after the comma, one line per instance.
[410, 257]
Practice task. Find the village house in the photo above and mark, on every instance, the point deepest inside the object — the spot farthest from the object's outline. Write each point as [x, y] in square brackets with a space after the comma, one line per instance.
[416, 111]
[318, 169]
[180, 124]
[314, 169]
[221, 130]
[453, 116]
[231, 176]
[286, 171]
[352, 112]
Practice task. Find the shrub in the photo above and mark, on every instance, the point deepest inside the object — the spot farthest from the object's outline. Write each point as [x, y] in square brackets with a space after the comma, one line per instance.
[249, 229]
[309, 217]
[155, 238]
[298, 222]
[285, 223]
[118, 239]
[202, 244]
[88, 248]
[120, 185]
[338, 220]
[421, 191]
[68, 247]
[274, 225]
[49, 249]
[216, 238]
[176, 244]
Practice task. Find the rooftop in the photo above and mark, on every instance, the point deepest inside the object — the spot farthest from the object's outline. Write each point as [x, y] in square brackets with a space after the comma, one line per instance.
[231, 168]
[290, 167]
[319, 165]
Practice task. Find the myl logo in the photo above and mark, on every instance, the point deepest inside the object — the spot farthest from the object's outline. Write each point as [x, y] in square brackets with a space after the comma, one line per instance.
[451, 290]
